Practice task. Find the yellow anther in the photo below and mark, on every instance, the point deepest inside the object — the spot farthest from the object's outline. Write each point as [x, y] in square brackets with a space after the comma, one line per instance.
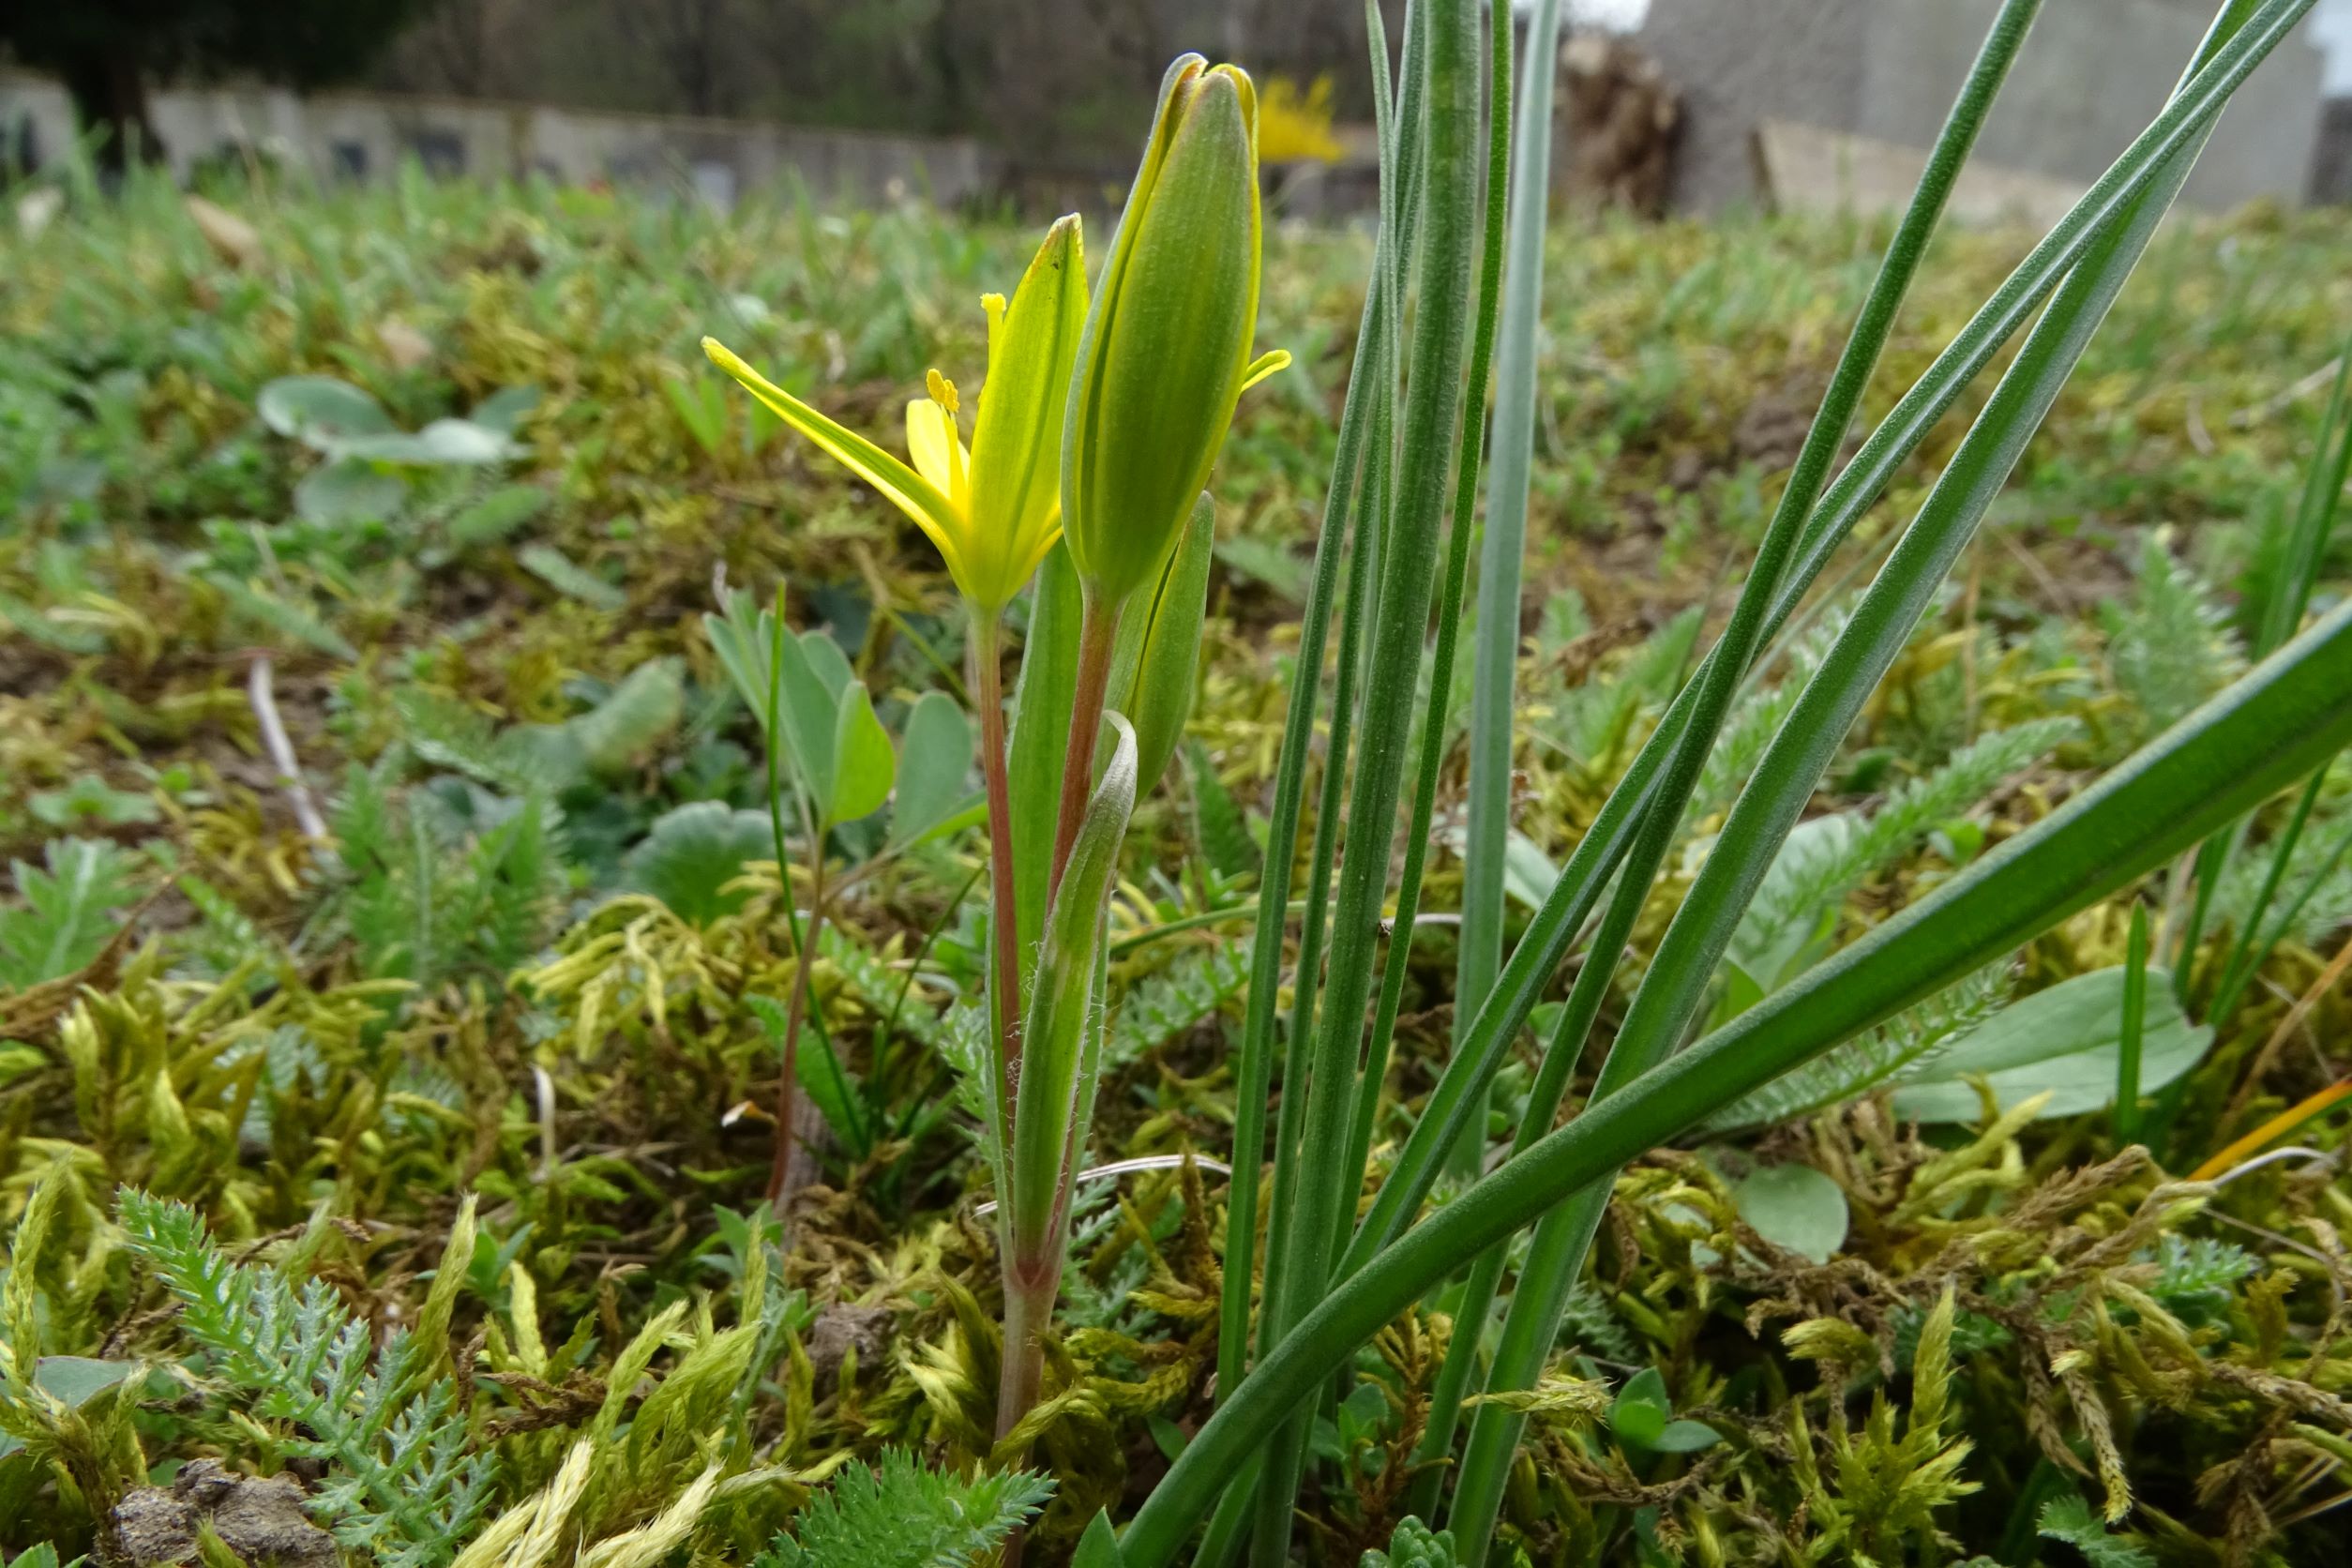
[942, 391]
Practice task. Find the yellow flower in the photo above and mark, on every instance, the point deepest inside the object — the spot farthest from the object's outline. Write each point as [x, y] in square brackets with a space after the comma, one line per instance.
[993, 508]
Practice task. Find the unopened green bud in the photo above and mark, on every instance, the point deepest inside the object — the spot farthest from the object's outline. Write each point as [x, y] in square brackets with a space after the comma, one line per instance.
[1166, 353]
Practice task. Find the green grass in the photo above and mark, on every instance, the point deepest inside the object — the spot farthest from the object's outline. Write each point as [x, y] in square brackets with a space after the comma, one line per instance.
[501, 979]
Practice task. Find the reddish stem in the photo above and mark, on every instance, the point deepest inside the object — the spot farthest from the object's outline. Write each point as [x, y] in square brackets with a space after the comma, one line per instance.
[1096, 631]
[788, 1075]
[989, 683]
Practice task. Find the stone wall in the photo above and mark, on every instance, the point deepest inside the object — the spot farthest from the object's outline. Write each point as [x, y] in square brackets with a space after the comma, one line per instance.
[2331, 171]
[2090, 77]
[368, 135]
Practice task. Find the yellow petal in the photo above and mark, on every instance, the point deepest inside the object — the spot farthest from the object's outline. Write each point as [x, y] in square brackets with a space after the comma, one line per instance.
[903, 487]
[1265, 365]
[930, 436]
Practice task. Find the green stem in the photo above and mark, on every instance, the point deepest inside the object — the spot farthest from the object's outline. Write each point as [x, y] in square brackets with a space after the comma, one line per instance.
[2237, 970]
[1493, 722]
[1031, 1287]
[1298, 1050]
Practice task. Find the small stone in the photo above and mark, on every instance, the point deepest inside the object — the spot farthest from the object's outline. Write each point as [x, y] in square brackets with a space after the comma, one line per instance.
[153, 1526]
[261, 1519]
[403, 345]
[839, 1329]
[231, 238]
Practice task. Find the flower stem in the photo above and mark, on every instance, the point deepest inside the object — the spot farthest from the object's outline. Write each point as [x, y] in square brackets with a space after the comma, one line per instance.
[1098, 629]
[1030, 1286]
[989, 687]
[788, 1074]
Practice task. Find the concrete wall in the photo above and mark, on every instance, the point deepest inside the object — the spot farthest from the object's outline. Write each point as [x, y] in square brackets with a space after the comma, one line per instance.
[368, 135]
[2331, 171]
[1738, 63]
[2091, 75]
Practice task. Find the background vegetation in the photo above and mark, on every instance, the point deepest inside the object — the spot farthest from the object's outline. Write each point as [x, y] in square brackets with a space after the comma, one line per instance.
[521, 937]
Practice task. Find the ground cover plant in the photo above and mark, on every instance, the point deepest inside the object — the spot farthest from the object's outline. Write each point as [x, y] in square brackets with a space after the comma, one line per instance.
[521, 861]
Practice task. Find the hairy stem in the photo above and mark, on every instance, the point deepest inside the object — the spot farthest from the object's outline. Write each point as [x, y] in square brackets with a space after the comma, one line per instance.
[1030, 1286]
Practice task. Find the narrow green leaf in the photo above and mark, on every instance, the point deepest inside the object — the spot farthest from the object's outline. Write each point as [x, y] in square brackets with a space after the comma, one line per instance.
[2131, 1042]
[1039, 744]
[1061, 1031]
[1169, 660]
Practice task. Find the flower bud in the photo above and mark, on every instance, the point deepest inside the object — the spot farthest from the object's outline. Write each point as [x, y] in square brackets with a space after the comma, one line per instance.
[1165, 351]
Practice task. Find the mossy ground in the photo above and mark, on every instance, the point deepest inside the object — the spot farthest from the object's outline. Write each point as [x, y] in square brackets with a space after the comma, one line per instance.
[438, 1002]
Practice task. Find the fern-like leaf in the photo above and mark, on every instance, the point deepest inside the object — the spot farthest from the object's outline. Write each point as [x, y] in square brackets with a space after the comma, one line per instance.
[402, 1486]
[1906, 1044]
[903, 1515]
[1182, 995]
[2170, 646]
[2070, 1519]
[67, 913]
[1790, 925]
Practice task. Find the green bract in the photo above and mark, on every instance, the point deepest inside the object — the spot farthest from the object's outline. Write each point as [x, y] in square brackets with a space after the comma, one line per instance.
[1166, 352]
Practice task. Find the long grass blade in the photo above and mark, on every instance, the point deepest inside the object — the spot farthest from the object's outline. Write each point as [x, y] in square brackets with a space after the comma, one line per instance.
[2127, 1070]
[1545, 943]
[2268, 729]
[1560, 1241]
[1441, 332]
[1434, 711]
[1493, 722]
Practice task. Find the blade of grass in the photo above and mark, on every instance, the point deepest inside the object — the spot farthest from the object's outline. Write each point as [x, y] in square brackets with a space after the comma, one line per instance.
[2237, 968]
[1362, 408]
[1675, 995]
[1433, 392]
[2282, 612]
[1545, 941]
[1493, 720]
[2267, 729]
[1434, 711]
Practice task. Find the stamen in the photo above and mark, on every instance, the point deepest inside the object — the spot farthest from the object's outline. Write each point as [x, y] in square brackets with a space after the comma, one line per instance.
[942, 391]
